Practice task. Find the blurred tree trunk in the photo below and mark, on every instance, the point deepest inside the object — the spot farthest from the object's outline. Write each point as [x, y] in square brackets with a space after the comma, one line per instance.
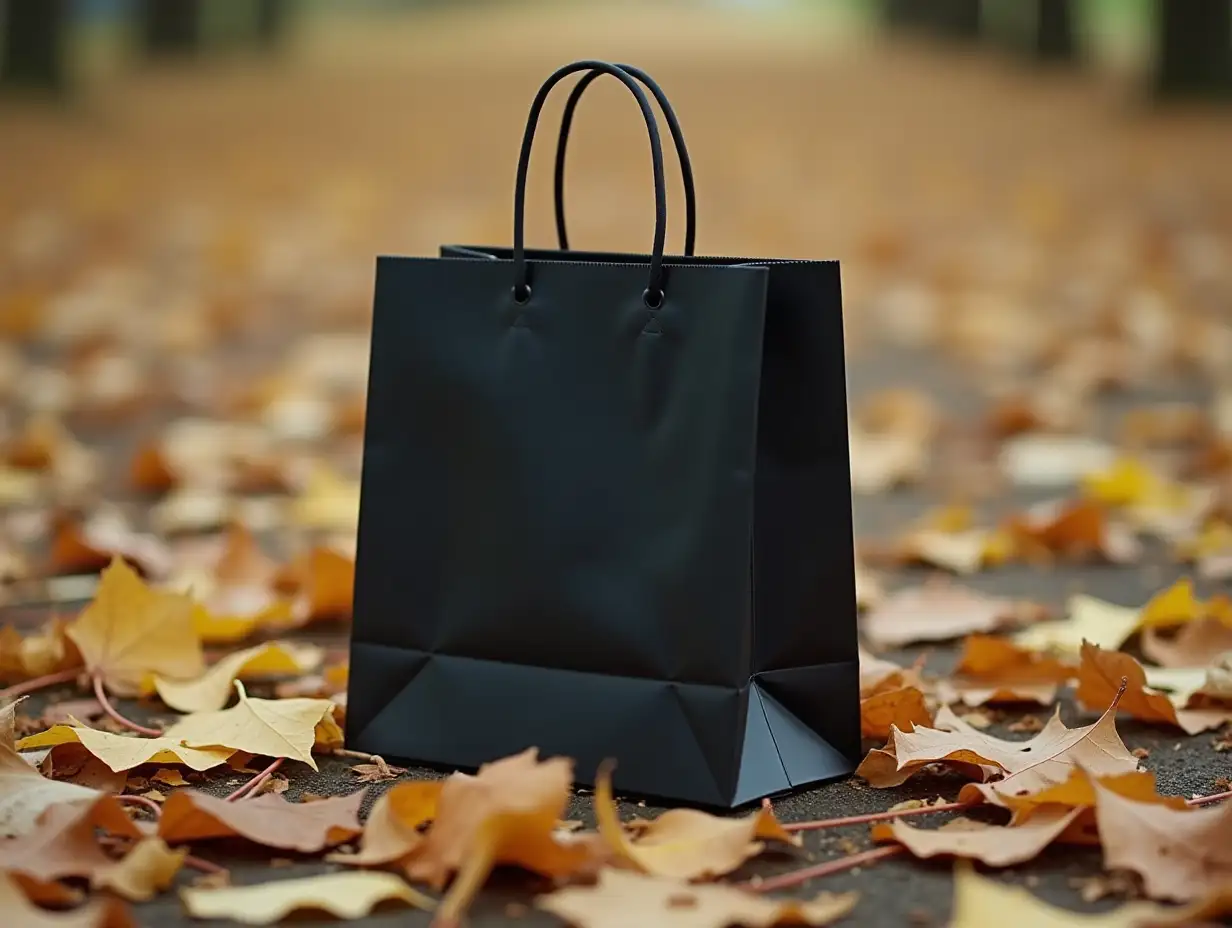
[1193, 56]
[271, 22]
[34, 33]
[171, 27]
[958, 19]
[1054, 30]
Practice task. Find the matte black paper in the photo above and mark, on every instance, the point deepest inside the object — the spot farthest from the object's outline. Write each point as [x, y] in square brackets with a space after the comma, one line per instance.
[605, 528]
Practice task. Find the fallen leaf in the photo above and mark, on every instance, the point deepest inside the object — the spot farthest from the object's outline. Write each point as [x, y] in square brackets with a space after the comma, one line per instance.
[1043, 460]
[1181, 855]
[1040, 761]
[938, 611]
[130, 631]
[212, 690]
[123, 752]
[874, 672]
[169, 776]
[74, 764]
[950, 692]
[1100, 674]
[505, 814]
[324, 581]
[273, 727]
[327, 502]
[980, 902]
[349, 895]
[1088, 619]
[685, 844]
[620, 899]
[902, 707]
[145, 870]
[989, 658]
[1178, 605]
[882, 462]
[1192, 644]
[88, 547]
[1076, 792]
[391, 831]
[64, 843]
[24, 792]
[45, 651]
[1075, 530]
[268, 820]
[995, 845]
[20, 913]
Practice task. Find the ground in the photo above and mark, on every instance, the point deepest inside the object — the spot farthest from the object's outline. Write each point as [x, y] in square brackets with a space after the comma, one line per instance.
[804, 147]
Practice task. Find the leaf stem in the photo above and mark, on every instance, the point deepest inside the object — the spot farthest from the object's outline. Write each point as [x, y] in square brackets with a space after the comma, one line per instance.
[204, 866]
[1203, 800]
[796, 877]
[114, 714]
[37, 683]
[386, 768]
[149, 804]
[251, 786]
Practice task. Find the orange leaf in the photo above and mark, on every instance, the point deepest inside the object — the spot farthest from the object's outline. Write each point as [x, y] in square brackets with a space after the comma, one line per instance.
[902, 707]
[391, 831]
[999, 660]
[268, 820]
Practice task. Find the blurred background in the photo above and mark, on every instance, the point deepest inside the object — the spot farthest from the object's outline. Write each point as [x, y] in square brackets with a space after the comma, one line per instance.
[1030, 199]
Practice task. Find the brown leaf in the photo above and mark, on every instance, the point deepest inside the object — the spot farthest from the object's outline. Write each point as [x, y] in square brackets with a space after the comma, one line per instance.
[995, 845]
[1101, 672]
[1043, 760]
[88, 547]
[64, 844]
[1193, 644]
[73, 763]
[268, 820]
[685, 844]
[938, 611]
[391, 831]
[20, 913]
[130, 631]
[24, 792]
[620, 899]
[1074, 530]
[1181, 855]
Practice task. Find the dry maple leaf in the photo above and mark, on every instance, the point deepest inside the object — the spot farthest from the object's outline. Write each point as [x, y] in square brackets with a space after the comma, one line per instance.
[889, 706]
[620, 899]
[213, 689]
[146, 869]
[980, 902]
[995, 845]
[1043, 760]
[273, 727]
[1192, 644]
[1182, 855]
[1075, 530]
[24, 792]
[65, 842]
[344, 895]
[123, 752]
[268, 820]
[1100, 668]
[685, 844]
[20, 913]
[1087, 619]
[505, 814]
[938, 611]
[130, 631]
[391, 831]
[999, 660]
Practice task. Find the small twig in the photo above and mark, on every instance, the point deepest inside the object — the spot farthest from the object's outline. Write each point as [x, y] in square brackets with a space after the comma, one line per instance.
[37, 683]
[875, 816]
[1203, 800]
[385, 767]
[251, 786]
[204, 866]
[114, 714]
[149, 804]
[796, 877]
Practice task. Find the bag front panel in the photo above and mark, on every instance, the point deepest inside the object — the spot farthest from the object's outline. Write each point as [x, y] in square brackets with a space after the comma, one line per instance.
[567, 483]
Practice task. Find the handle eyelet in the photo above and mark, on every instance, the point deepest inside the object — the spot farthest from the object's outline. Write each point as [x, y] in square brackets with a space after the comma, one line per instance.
[521, 294]
[653, 300]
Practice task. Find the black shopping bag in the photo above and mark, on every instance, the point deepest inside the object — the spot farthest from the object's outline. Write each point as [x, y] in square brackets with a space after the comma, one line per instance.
[606, 511]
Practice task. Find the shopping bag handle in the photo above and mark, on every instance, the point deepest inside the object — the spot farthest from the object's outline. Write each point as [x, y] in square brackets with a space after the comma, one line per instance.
[673, 125]
[653, 294]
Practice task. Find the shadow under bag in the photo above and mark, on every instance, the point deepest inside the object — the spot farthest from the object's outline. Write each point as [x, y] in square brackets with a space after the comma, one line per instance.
[606, 509]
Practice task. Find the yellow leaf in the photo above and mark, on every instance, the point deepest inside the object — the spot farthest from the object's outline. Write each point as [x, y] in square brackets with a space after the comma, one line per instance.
[1089, 619]
[122, 752]
[1175, 605]
[147, 869]
[391, 831]
[213, 689]
[130, 631]
[620, 899]
[685, 844]
[328, 501]
[1126, 482]
[979, 902]
[273, 727]
[352, 894]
